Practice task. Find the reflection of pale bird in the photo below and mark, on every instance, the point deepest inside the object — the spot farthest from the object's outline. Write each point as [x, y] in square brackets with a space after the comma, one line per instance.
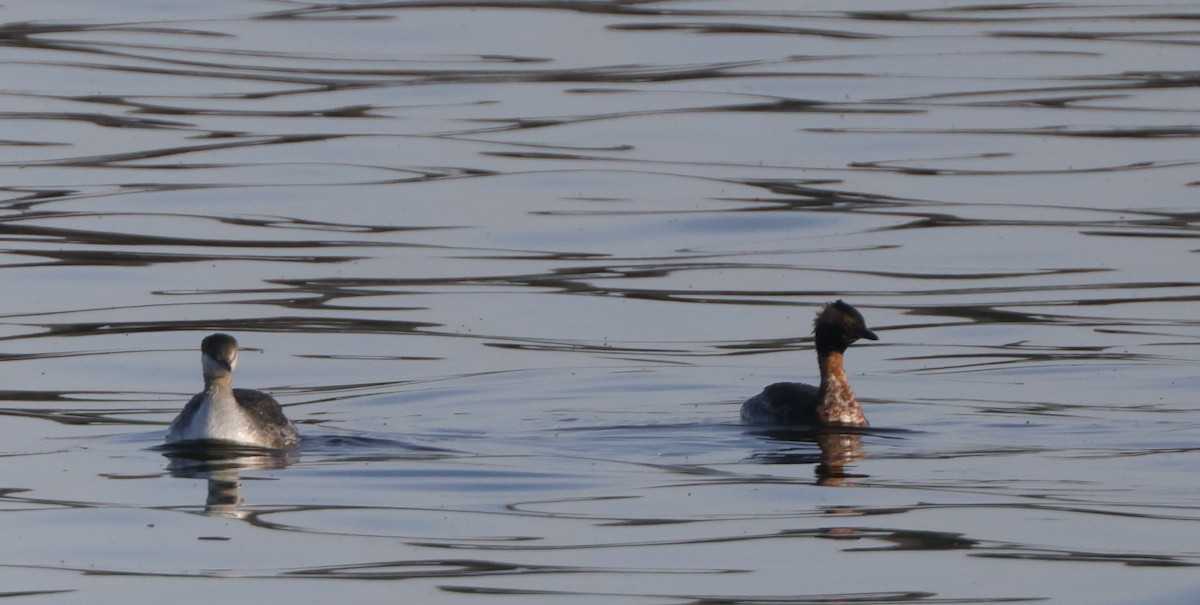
[224, 414]
[836, 327]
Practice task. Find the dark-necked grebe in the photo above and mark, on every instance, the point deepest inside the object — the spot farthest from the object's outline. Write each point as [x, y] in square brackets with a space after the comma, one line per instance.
[836, 327]
[222, 413]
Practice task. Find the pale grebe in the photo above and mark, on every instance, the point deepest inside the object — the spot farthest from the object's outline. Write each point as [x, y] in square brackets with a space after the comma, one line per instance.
[836, 327]
[222, 413]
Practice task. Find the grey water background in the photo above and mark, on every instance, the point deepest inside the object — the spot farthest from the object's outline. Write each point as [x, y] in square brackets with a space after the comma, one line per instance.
[513, 265]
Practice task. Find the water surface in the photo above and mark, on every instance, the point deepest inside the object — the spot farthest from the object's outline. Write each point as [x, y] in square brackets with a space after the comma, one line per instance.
[513, 266]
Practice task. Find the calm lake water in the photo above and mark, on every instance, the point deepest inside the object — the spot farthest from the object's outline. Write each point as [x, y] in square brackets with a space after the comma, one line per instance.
[513, 265]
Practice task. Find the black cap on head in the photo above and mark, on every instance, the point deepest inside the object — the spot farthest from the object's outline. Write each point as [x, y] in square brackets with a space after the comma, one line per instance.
[838, 325]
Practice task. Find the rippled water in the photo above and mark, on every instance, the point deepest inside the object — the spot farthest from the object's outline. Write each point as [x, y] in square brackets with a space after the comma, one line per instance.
[513, 265]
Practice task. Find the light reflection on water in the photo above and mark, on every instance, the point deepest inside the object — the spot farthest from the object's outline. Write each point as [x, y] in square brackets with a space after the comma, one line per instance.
[513, 287]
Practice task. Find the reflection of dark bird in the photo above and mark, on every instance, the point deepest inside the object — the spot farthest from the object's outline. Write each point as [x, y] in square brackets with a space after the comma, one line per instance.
[836, 327]
[223, 414]
[838, 450]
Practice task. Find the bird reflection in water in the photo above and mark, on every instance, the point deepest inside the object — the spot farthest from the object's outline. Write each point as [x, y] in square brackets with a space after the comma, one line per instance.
[837, 449]
[222, 468]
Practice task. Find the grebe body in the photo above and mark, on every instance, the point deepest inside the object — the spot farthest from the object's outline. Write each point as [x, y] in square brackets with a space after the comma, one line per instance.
[223, 414]
[832, 402]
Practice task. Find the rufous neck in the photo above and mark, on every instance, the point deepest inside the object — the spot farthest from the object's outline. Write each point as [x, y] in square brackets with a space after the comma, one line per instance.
[832, 370]
[838, 404]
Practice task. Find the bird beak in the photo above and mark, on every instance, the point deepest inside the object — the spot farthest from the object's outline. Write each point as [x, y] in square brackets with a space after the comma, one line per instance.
[869, 335]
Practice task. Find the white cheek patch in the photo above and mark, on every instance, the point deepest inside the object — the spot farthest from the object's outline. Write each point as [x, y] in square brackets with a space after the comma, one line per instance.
[213, 367]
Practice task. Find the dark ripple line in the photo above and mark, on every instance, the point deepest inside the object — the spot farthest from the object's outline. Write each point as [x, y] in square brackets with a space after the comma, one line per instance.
[108, 258]
[855, 598]
[309, 325]
[525, 508]
[746, 28]
[1153, 37]
[18, 230]
[903, 540]
[374, 571]
[770, 104]
[579, 280]
[344, 111]
[116, 160]
[1131, 132]
[30, 593]
[897, 167]
[73, 417]
[99, 119]
[1027, 12]
[412, 77]
[1107, 84]
[623, 7]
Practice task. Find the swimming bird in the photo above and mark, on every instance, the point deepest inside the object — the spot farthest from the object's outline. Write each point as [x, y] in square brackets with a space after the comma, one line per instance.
[223, 414]
[836, 327]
